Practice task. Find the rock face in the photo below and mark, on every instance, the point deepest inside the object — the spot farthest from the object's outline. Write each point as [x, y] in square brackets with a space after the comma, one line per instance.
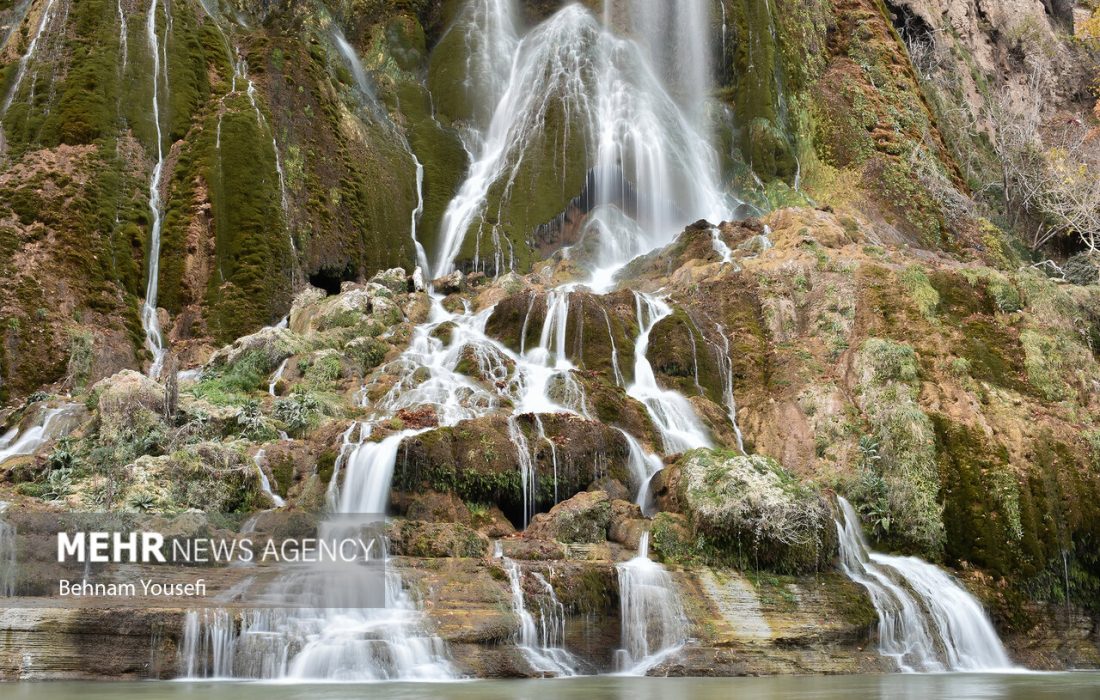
[583, 519]
[88, 644]
[478, 460]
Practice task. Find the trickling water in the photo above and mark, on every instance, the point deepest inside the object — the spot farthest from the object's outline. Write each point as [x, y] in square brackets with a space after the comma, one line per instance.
[643, 467]
[149, 321]
[541, 643]
[265, 484]
[123, 39]
[25, 59]
[672, 414]
[654, 625]
[208, 644]
[362, 82]
[276, 377]
[725, 368]
[927, 622]
[720, 246]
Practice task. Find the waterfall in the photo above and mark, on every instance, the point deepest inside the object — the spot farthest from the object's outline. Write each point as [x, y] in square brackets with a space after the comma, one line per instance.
[654, 625]
[8, 562]
[25, 59]
[643, 467]
[208, 644]
[276, 377]
[326, 634]
[123, 39]
[541, 642]
[149, 321]
[927, 621]
[638, 139]
[265, 485]
[672, 414]
[725, 368]
[49, 424]
[638, 109]
[362, 82]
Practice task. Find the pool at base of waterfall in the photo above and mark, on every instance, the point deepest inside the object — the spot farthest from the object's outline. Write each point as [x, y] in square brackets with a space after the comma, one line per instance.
[923, 686]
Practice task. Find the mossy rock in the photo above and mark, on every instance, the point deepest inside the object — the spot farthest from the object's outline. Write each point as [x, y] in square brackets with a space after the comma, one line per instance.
[754, 513]
[413, 538]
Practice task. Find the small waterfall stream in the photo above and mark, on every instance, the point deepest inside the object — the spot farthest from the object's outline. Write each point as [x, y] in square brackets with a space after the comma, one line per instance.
[154, 341]
[541, 641]
[265, 484]
[672, 414]
[927, 621]
[49, 424]
[654, 625]
[24, 60]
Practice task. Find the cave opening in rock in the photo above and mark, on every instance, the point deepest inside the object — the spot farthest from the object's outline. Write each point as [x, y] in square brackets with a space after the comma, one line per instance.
[330, 278]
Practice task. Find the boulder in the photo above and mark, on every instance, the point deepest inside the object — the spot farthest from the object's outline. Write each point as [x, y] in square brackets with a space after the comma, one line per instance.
[393, 279]
[627, 524]
[128, 402]
[436, 507]
[450, 284]
[271, 344]
[582, 519]
[748, 507]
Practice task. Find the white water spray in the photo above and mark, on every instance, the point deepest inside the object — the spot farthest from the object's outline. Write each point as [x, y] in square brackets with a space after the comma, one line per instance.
[672, 414]
[654, 625]
[154, 341]
[541, 641]
[927, 622]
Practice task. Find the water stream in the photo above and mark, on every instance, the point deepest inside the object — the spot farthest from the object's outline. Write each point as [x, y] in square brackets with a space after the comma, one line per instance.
[540, 641]
[927, 621]
[653, 622]
[154, 341]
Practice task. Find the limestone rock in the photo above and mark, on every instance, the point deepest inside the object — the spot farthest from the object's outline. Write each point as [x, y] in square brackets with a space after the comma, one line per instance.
[414, 538]
[749, 506]
[584, 518]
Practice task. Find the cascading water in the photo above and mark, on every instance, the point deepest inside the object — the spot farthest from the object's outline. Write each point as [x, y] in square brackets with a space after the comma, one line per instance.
[636, 136]
[154, 341]
[654, 625]
[49, 424]
[265, 484]
[25, 59]
[273, 384]
[639, 140]
[643, 467]
[927, 622]
[672, 414]
[540, 642]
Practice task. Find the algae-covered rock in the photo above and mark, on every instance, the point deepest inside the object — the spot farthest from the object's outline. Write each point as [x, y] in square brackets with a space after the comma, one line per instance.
[127, 399]
[414, 538]
[584, 518]
[751, 509]
[269, 345]
[393, 279]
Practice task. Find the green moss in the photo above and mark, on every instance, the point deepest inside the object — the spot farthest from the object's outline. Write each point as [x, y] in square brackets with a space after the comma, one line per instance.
[889, 361]
[903, 434]
[921, 291]
[982, 519]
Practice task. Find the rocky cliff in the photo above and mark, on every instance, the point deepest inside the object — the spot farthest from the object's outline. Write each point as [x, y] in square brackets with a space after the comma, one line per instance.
[889, 313]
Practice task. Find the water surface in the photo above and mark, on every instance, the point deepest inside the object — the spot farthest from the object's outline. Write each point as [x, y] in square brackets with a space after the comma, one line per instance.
[898, 686]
